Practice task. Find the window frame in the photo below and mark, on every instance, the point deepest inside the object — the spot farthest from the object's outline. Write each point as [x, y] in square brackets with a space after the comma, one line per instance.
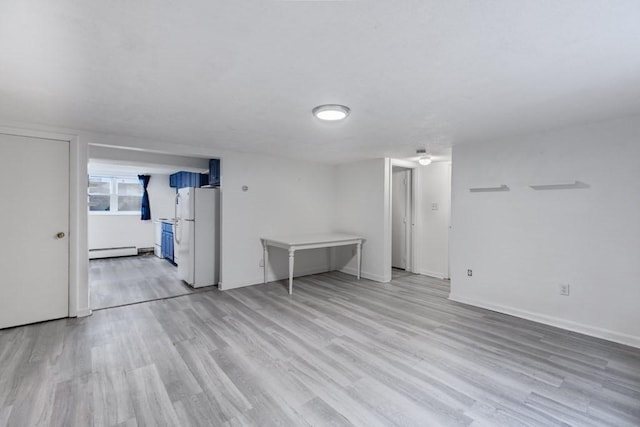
[113, 181]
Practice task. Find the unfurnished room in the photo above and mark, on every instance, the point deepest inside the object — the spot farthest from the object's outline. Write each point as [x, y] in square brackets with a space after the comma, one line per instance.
[313, 213]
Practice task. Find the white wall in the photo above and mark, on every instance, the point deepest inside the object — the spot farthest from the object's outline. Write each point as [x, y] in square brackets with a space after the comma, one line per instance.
[114, 156]
[522, 244]
[433, 186]
[114, 231]
[284, 197]
[362, 207]
[161, 197]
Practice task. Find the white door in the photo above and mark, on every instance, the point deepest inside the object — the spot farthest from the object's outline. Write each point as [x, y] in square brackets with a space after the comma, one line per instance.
[34, 216]
[399, 218]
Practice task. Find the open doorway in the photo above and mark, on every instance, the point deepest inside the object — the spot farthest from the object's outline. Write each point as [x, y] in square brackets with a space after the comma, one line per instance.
[419, 209]
[401, 218]
[133, 256]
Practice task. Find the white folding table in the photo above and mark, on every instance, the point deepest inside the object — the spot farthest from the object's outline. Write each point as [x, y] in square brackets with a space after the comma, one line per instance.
[294, 243]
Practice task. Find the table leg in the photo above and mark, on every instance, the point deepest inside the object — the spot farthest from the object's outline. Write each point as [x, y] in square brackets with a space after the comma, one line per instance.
[265, 260]
[291, 260]
[359, 255]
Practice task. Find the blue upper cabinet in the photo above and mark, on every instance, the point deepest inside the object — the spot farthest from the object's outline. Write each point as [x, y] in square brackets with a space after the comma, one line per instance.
[184, 179]
[214, 172]
[194, 180]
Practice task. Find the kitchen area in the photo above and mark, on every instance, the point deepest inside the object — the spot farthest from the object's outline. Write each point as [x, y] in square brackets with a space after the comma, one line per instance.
[173, 251]
[189, 240]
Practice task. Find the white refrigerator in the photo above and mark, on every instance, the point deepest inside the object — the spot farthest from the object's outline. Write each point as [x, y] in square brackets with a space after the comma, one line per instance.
[197, 236]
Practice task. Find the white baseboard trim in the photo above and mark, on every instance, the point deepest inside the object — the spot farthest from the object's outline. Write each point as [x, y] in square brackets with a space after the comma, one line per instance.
[272, 278]
[228, 286]
[435, 274]
[84, 312]
[569, 325]
[112, 252]
[365, 274]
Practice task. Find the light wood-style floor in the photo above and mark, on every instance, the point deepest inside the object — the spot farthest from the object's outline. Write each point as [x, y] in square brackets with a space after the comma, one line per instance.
[337, 352]
[127, 280]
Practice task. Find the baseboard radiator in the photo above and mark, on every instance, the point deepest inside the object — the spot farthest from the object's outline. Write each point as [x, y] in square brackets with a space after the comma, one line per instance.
[112, 252]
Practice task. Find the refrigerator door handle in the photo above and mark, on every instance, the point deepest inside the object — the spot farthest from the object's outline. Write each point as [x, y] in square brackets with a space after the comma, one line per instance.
[176, 220]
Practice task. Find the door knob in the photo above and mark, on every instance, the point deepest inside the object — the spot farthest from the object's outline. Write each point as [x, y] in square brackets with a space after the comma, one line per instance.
[60, 235]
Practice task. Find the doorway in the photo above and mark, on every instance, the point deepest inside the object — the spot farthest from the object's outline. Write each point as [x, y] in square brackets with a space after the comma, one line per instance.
[35, 256]
[401, 218]
[132, 260]
[418, 205]
[401, 210]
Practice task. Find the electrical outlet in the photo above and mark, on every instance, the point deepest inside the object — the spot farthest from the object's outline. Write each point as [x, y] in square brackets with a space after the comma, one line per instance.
[261, 263]
[469, 272]
[563, 288]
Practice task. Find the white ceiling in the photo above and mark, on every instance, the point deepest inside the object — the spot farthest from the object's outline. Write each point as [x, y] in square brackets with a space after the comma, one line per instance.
[245, 75]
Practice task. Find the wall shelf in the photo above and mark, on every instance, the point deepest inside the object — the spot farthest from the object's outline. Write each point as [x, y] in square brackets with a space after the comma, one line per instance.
[488, 189]
[559, 185]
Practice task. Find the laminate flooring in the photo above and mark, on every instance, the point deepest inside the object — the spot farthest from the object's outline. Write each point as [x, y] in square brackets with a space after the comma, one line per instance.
[127, 280]
[337, 352]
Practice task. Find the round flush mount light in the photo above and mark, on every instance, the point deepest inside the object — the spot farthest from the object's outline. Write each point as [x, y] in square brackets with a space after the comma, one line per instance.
[331, 112]
[425, 160]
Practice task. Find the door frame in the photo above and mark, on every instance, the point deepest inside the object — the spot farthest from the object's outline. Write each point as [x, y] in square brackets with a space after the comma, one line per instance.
[407, 219]
[78, 266]
[411, 248]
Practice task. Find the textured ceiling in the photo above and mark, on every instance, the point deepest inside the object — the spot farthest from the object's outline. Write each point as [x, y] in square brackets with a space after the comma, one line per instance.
[245, 75]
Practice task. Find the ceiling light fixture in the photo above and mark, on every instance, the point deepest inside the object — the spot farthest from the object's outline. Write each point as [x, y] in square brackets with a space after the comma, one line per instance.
[331, 112]
[424, 160]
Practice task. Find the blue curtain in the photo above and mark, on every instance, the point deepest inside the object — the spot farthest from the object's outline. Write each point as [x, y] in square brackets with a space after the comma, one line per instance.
[145, 209]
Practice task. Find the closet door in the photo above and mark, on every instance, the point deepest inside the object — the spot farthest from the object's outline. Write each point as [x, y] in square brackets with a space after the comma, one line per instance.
[34, 216]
